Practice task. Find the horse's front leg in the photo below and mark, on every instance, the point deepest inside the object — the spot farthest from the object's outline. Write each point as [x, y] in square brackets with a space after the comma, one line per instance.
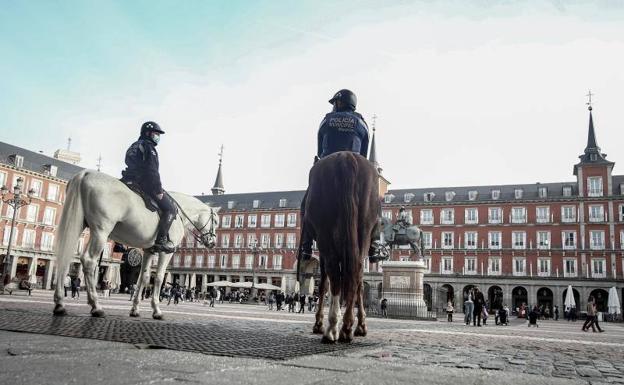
[346, 333]
[318, 325]
[331, 333]
[361, 329]
[142, 282]
[89, 265]
[163, 262]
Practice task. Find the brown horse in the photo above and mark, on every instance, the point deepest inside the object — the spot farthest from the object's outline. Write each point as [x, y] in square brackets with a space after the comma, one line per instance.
[341, 210]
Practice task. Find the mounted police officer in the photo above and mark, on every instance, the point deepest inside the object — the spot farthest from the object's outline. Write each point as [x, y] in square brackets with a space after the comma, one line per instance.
[343, 129]
[142, 169]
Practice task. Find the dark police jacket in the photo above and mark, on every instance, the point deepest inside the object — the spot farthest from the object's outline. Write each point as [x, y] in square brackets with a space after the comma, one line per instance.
[342, 131]
[142, 166]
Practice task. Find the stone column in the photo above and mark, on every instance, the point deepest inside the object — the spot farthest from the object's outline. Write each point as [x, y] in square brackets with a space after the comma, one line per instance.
[507, 296]
[49, 273]
[204, 286]
[12, 265]
[32, 270]
[192, 281]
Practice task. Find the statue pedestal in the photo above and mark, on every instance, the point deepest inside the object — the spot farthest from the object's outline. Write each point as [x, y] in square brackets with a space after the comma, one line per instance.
[403, 288]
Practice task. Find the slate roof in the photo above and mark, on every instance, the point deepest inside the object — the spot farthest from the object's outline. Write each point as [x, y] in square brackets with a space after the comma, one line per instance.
[34, 161]
[267, 200]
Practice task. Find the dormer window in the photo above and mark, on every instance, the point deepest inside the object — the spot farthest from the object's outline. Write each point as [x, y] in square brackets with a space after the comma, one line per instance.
[518, 193]
[567, 191]
[449, 195]
[593, 157]
[17, 160]
[282, 202]
[428, 197]
[622, 189]
[542, 192]
[230, 205]
[495, 194]
[388, 198]
[256, 203]
[472, 195]
[407, 198]
[49, 169]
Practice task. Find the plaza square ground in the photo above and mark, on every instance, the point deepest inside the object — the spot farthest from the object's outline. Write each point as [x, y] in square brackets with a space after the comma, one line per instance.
[400, 351]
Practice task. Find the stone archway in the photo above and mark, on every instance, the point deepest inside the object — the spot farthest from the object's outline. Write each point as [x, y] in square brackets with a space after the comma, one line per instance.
[601, 297]
[545, 299]
[495, 298]
[466, 290]
[446, 293]
[427, 295]
[577, 298]
[309, 275]
[519, 297]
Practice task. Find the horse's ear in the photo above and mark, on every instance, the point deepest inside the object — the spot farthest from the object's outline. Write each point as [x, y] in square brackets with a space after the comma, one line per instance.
[216, 209]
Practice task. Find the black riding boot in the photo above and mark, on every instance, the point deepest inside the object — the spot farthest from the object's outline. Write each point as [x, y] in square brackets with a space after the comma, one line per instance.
[305, 245]
[163, 244]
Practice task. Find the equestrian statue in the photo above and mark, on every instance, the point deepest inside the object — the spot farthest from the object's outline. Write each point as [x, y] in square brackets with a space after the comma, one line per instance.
[402, 233]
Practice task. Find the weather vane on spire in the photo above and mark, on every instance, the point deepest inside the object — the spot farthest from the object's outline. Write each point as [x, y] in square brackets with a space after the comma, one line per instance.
[221, 154]
[374, 121]
[589, 101]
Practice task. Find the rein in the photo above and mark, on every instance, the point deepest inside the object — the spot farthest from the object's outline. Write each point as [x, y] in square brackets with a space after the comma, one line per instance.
[200, 238]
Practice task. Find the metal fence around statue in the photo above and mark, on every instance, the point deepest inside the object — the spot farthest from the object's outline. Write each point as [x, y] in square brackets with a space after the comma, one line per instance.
[400, 303]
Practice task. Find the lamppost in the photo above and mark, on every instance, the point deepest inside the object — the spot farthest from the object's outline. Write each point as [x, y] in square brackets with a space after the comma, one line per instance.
[15, 200]
[255, 251]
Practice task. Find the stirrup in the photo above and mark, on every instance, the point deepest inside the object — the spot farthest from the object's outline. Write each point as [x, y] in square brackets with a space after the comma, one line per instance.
[378, 252]
[165, 247]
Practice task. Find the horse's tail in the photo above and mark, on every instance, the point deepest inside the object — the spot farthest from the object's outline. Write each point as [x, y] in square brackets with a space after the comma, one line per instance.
[349, 246]
[70, 227]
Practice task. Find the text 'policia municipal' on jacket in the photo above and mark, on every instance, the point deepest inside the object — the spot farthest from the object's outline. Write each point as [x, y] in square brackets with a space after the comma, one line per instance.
[342, 131]
[142, 162]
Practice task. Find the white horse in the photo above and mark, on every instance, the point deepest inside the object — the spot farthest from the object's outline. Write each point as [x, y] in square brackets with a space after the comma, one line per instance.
[112, 211]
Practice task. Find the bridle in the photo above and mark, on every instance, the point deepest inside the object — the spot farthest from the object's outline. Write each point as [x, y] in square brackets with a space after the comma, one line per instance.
[203, 238]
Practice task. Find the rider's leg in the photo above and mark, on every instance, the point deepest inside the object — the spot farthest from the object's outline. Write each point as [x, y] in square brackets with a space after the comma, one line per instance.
[306, 239]
[166, 219]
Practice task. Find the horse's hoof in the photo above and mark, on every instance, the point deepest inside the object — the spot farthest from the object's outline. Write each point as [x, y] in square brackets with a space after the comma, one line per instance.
[327, 340]
[158, 316]
[99, 313]
[317, 329]
[134, 313]
[360, 331]
[59, 310]
[345, 337]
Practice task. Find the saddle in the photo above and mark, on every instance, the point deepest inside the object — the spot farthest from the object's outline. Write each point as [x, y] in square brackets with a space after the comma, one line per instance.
[150, 203]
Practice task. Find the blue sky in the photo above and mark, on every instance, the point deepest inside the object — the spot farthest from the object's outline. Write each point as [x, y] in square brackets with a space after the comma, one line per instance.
[461, 83]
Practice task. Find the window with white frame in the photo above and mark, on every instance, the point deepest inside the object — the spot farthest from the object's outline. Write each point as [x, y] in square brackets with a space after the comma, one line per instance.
[224, 259]
[621, 188]
[226, 221]
[31, 212]
[568, 214]
[621, 216]
[518, 215]
[519, 266]
[225, 240]
[472, 195]
[3, 179]
[279, 240]
[47, 241]
[470, 265]
[599, 268]
[518, 193]
[255, 204]
[9, 212]
[407, 197]
[235, 261]
[542, 192]
[53, 192]
[622, 239]
[211, 261]
[49, 215]
[596, 240]
[252, 240]
[542, 214]
[282, 202]
[494, 266]
[199, 261]
[176, 260]
[594, 186]
[388, 198]
[569, 267]
[543, 267]
[230, 205]
[470, 239]
[543, 239]
[279, 220]
[495, 194]
[238, 241]
[518, 239]
[447, 216]
[292, 220]
[596, 213]
[265, 240]
[252, 220]
[567, 191]
[387, 214]
[28, 238]
[277, 262]
[426, 217]
[494, 239]
[238, 222]
[447, 265]
[187, 260]
[449, 195]
[569, 239]
[37, 186]
[427, 261]
[262, 261]
[291, 241]
[447, 239]
[427, 236]
[428, 197]
[471, 215]
[265, 220]
[495, 215]
[249, 261]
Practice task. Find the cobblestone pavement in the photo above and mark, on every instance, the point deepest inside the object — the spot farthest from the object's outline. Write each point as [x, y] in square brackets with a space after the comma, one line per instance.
[409, 351]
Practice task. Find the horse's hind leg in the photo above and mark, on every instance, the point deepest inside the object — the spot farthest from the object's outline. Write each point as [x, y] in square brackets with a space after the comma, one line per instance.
[346, 333]
[163, 261]
[331, 333]
[143, 281]
[318, 325]
[89, 264]
[361, 329]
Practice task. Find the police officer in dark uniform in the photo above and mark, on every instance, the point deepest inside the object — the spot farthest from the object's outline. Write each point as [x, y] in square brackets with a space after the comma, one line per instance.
[343, 129]
[142, 169]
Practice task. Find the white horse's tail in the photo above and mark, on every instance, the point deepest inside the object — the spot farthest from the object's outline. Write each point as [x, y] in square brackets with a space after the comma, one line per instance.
[70, 227]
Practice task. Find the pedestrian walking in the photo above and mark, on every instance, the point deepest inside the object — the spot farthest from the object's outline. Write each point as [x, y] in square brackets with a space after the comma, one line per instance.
[302, 299]
[468, 308]
[67, 284]
[384, 308]
[479, 301]
[271, 301]
[556, 311]
[592, 318]
[449, 311]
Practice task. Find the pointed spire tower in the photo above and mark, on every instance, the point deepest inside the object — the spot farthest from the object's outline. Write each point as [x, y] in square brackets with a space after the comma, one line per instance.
[218, 188]
[372, 157]
[592, 154]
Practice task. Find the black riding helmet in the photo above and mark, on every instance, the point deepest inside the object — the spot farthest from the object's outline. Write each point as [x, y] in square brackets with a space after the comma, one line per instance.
[345, 96]
[151, 127]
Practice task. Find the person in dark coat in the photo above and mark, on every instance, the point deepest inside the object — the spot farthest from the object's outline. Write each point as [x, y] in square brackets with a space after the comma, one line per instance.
[479, 301]
[302, 299]
[143, 169]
